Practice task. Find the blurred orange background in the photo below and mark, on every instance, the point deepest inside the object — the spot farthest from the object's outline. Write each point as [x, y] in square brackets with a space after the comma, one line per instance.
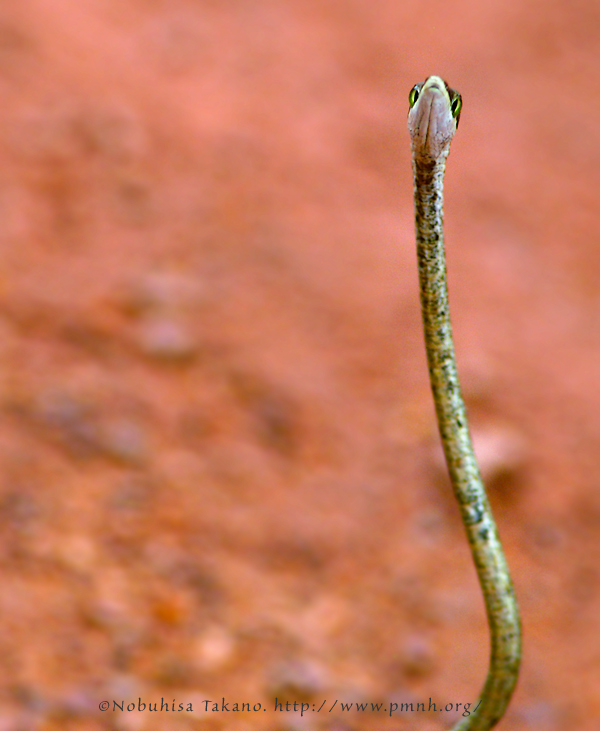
[220, 467]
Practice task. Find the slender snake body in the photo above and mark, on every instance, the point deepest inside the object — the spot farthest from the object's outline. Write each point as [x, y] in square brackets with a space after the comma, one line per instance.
[432, 121]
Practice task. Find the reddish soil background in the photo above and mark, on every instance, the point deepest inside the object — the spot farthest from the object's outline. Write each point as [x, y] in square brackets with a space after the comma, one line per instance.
[220, 468]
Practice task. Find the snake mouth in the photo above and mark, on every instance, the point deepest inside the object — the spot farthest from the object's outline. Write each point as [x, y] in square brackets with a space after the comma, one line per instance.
[434, 82]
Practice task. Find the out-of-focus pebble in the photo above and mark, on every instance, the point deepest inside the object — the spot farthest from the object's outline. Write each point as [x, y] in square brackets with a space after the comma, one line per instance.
[133, 202]
[172, 608]
[298, 679]
[87, 430]
[166, 339]
[325, 617]
[275, 413]
[111, 606]
[31, 699]
[18, 508]
[123, 686]
[277, 422]
[500, 452]
[76, 702]
[213, 649]
[69, 420]
[417, 656]
[546, 536]
[124, 440]
[162, 292]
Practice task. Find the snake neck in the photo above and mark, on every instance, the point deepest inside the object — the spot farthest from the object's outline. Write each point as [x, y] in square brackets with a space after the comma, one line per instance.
[428, 177]
[429, 221]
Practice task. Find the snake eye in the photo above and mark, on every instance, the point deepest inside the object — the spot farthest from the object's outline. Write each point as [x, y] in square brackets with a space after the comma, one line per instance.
[414, 94]
[456, 106]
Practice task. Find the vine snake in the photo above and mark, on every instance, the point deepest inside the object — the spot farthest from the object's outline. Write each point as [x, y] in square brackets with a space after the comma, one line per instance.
[433, 118]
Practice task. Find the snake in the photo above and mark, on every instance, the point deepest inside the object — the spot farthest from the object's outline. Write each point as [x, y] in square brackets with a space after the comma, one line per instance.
[433, 118]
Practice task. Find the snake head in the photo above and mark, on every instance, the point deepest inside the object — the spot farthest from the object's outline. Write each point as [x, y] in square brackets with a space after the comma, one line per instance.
[433, 118]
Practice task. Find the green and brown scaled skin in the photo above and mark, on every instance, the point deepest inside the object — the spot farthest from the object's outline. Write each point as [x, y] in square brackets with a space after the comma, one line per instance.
[432, 121]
